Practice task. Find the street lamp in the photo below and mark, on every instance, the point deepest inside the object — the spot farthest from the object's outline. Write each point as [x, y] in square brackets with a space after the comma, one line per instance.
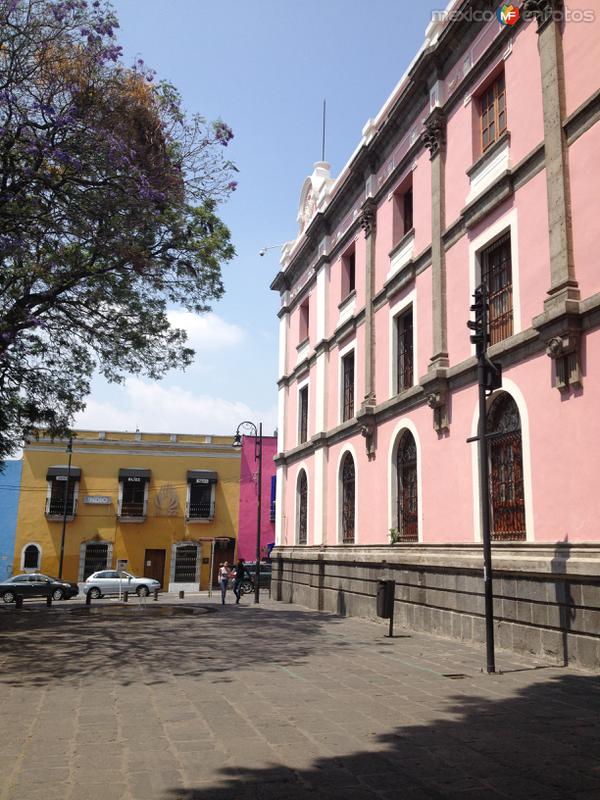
[65, 507]
[237, 442]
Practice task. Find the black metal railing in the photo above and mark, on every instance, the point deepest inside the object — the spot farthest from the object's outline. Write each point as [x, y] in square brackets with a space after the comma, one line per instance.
[201, 510]
[132, 509]
[55, 506]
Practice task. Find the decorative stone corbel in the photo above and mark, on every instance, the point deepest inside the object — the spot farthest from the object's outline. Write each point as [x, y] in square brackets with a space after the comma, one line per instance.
[368, 429]
[437, 394]
[542, 10]
[368, 216]
[438, 402]
[564, 350]
[434, 135]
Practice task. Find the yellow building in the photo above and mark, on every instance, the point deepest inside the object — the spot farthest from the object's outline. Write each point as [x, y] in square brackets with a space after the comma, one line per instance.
[159, 505]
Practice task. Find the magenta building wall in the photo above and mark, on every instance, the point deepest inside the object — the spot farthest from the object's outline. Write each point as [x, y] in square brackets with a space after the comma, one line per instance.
[246, 547]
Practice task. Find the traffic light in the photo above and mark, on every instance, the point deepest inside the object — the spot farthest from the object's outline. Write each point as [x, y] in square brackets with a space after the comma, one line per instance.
[479, 325]
[493, 376]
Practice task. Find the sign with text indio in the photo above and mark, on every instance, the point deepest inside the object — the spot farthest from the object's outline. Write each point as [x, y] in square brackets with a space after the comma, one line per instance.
[97, 500]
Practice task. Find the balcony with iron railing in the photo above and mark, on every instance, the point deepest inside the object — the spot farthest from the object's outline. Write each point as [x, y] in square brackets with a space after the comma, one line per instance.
[132, 511]
[201, 512]
[55, 507]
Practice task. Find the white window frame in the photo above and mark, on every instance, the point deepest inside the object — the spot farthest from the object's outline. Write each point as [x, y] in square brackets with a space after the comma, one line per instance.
[120, 500]
[301, 466]
[351, 347]
[339, 533]
[506, 224]
[404, 424]
[304, 385]
[397, 310]
[213, 492]
[39, 561]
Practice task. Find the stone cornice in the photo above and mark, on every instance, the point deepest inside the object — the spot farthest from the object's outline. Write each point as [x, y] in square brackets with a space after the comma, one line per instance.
[560, 558]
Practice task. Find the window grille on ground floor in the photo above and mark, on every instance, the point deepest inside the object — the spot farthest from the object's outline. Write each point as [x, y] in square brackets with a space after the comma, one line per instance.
[506, 471]
[95, 559]
[186, 562]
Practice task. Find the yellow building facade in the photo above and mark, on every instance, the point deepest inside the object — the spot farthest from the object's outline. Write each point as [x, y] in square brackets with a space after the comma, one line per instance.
[161, 505]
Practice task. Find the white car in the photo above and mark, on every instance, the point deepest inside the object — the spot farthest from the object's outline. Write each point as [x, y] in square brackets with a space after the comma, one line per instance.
[110, 581]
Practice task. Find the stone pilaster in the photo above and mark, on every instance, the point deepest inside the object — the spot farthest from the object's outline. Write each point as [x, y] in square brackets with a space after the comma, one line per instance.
[563, 283]
[368, 220]
[434, 139]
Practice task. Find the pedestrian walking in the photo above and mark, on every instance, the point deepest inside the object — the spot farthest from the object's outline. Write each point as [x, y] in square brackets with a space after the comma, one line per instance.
[224, 573]
[240, 573]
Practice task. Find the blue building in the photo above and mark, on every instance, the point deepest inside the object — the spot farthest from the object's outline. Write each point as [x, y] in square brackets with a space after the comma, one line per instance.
[10, 483]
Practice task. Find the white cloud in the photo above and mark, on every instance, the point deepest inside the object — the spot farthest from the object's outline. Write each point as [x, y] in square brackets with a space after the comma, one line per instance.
[207, 332]
[153, 407]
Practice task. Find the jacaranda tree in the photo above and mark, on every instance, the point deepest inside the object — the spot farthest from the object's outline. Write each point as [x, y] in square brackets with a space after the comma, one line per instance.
[108, 196]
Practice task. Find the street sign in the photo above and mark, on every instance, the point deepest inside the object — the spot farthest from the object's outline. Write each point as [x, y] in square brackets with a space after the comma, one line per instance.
[97, 500]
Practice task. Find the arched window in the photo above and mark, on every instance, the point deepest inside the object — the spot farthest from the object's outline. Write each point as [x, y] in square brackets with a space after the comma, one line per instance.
[31, 557]
[348, 477]
[506, 471]
[406, 488]
[302, 506]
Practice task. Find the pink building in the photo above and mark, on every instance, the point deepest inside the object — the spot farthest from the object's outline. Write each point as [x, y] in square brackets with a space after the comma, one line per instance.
[248, 519]
[481, 166]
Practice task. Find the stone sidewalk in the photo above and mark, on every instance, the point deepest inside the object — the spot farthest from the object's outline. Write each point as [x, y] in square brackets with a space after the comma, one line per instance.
[245, 702]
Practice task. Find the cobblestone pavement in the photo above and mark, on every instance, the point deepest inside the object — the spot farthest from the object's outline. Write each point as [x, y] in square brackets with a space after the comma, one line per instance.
[247, 702]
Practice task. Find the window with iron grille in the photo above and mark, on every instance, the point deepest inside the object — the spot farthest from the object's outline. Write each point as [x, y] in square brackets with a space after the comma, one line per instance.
[496, 274]
[133, 501]
[61, 490]
[348, 499]
[303, 415]
[95, 558]
[402, 221]
[348, 273]
[493, 113]
[506, 471]
[201, 504]
[406, 475]
[302, 508]
[304, 321]
[348, 387]
[186, 561]
[404, 351]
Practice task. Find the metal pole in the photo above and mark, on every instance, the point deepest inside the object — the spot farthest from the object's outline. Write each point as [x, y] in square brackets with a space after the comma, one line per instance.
[485, 521]
[257, 574]
[64, 523]
[212, 561]
[485, 494]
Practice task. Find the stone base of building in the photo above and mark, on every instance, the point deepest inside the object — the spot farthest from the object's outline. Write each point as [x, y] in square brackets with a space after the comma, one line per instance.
[546, 598]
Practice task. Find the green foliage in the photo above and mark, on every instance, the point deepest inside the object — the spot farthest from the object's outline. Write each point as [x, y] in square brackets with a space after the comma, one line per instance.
[108, 198]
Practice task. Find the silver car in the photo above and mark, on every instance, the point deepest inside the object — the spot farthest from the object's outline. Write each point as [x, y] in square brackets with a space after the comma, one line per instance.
[110, 581]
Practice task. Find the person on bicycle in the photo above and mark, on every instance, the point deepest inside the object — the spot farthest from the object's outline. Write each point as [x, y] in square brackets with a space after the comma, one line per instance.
[240, 573]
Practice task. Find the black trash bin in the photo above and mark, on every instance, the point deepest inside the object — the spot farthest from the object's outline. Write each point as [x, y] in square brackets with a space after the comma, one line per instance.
[385, 598]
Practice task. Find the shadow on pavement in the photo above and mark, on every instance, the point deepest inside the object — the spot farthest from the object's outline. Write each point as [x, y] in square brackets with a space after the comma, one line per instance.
[57, 645]
[542, 742]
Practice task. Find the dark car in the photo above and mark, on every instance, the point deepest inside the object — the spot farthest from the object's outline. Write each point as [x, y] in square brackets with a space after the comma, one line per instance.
[36, 585]
[265, 572]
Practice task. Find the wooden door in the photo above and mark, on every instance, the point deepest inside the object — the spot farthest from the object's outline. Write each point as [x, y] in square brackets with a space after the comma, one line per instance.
[154, 565]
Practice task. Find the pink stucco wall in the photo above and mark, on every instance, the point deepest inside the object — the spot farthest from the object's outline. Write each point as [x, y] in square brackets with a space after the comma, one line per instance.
[249, 497]
[560, 461]
[581, 45]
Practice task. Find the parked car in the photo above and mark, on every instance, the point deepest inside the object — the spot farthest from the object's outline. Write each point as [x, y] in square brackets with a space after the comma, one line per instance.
[37, 585]
[110, 581]
[265, 573]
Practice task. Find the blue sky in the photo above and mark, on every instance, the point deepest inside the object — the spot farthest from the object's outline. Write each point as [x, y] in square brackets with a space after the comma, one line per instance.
[264, 67]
